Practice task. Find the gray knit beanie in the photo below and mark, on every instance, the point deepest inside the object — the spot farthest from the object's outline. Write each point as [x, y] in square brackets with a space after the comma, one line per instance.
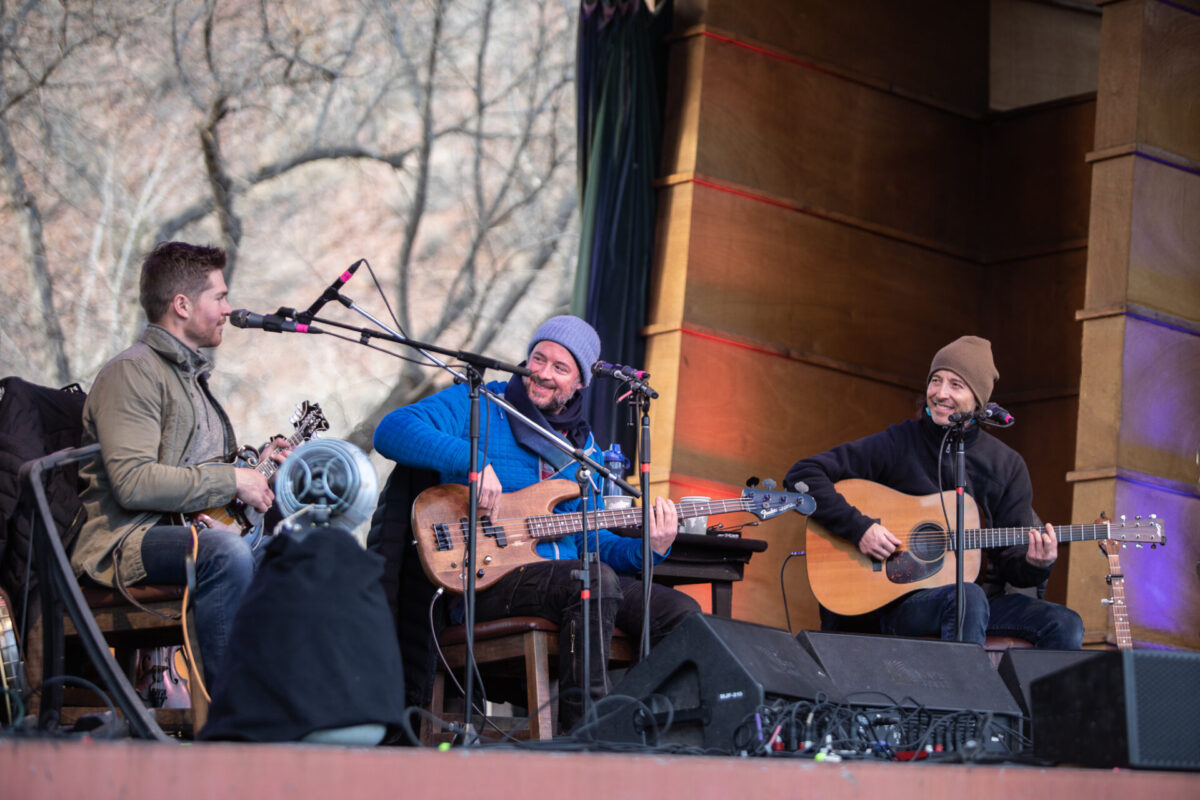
[970, 358]
[574, 334]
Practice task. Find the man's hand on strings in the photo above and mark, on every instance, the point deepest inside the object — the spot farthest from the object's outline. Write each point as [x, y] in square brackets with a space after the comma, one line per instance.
[1043, 547]
[489, 492]
[664, 525]
[878, 542]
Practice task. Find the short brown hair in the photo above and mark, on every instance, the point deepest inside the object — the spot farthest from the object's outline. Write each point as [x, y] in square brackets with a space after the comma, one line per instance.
[173, 268]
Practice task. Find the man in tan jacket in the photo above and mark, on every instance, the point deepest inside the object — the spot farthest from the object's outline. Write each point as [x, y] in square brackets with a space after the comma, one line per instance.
[164, 444]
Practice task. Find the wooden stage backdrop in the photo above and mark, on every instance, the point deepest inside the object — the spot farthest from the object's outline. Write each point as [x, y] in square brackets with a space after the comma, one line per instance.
[846, 187]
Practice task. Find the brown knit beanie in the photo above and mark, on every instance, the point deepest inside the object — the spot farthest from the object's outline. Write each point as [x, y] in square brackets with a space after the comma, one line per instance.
[970, 358]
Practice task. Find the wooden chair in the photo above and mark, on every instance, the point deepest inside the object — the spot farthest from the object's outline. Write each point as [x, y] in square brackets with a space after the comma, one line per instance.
[128, 631]
[995, 646]
[509, 652]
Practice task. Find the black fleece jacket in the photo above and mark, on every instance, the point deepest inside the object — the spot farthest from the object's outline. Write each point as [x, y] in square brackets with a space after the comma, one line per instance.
[904, 457]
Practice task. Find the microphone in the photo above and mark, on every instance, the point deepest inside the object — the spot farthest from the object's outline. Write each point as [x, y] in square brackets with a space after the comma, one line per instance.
[241, 318]
[993, 412]
[621, 373]
[332, 292]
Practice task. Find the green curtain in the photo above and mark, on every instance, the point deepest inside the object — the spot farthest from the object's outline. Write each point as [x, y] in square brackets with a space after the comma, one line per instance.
[619, 86]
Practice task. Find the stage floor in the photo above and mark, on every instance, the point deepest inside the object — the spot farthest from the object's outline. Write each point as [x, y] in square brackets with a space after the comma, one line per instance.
[131, 769]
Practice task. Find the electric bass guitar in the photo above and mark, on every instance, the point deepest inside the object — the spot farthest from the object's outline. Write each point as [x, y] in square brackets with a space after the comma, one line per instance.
[526, 517]
[847, 582]
[309, 421]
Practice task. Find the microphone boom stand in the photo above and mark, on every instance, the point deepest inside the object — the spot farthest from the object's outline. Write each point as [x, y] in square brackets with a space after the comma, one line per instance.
[959, 434]
[643, 402]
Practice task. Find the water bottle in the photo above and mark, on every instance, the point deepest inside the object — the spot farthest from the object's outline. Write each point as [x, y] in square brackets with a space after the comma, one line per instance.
[617, 463]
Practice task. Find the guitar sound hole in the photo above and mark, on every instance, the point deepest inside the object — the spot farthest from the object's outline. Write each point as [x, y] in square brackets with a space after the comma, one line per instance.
[928, 542]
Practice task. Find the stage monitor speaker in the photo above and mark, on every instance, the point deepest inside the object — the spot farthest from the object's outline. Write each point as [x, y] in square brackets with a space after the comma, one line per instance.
[1135, 708]
[1019, 668]
[702, 682]
[885, 670]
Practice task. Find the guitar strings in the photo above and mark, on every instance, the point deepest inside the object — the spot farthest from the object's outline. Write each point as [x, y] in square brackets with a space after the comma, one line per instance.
[523, 527]
[1064, 533]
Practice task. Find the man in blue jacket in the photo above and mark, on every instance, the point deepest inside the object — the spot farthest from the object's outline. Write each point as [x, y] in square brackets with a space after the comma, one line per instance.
[433, 434]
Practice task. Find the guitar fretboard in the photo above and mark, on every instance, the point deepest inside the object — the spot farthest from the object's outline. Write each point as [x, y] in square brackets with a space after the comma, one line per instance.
[984, 538]
[556, 526]
[268, 466]
[1120, 612]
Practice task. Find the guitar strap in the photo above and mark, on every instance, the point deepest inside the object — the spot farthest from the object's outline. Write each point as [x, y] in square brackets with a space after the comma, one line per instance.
[570, 421]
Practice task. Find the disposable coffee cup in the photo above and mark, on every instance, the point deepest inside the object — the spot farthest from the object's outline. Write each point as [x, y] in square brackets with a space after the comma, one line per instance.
[698, 525]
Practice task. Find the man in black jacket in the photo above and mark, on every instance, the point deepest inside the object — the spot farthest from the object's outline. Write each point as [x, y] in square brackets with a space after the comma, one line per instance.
[905, 458]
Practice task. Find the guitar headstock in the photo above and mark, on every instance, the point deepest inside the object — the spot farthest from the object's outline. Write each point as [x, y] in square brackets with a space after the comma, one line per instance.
[1139, 531]
[309, 420]
[766, 504]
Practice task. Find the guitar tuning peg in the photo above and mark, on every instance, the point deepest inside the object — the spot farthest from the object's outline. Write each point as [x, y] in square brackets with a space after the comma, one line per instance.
[1138, 517]
[768, 484]
[1122, 518]
[1105, 601]
[1154, 516]
[1138, 545]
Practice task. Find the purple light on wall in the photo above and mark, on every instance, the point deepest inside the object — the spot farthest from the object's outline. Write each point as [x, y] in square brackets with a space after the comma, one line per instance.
[1159, 434]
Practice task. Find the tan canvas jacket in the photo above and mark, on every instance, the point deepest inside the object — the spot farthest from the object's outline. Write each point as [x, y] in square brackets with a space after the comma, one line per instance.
[141, 413]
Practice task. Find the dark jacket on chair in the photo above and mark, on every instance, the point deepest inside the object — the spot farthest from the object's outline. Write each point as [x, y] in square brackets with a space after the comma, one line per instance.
[34, 421]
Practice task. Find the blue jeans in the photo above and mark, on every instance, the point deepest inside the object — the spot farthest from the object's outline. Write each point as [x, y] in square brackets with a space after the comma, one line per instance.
[224, 568]
[1048, 626]
[930, 612]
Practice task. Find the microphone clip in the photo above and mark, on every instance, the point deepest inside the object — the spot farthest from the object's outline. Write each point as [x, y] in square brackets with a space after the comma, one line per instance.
[635, 378]
[993, 415]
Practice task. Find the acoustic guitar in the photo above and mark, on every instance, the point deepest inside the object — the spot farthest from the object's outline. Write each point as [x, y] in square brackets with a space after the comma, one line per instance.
[525, 517]
[847, 582]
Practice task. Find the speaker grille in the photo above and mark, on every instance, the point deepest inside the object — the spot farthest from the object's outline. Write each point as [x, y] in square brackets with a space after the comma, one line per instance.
[1163, 701]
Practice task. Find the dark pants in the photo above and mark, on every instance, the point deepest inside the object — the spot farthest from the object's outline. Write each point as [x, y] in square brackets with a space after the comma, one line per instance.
[548, 589]
[930, 612]
[224, 569]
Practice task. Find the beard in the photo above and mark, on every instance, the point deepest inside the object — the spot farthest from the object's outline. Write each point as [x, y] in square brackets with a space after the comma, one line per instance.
[551, 405]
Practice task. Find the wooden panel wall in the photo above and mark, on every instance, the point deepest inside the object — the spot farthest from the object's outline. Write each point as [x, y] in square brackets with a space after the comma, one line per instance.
[1033, 236]
[1139, 421]
[836, 203]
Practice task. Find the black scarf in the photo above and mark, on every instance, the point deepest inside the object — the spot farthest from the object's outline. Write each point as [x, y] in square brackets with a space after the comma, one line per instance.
[569, 421]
